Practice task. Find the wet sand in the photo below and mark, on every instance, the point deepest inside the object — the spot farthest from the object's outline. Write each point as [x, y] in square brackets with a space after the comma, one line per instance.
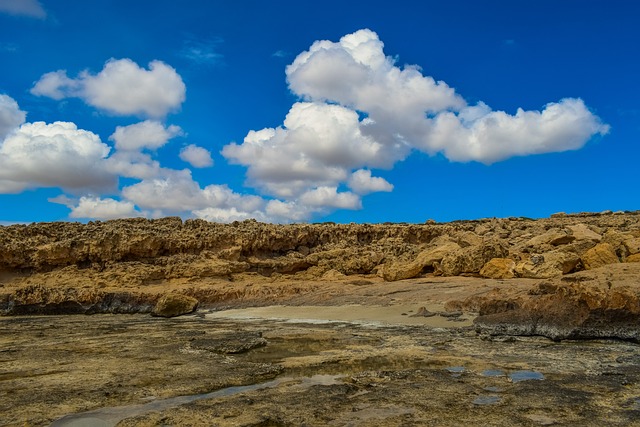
[368, 315]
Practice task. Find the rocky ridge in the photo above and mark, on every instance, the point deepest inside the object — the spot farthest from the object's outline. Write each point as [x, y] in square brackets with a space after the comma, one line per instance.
[127, 265]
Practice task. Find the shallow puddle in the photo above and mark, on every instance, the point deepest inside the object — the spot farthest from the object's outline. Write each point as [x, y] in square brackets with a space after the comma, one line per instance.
[486, 400]
[518, 376]
[493, 373]
[109, 417]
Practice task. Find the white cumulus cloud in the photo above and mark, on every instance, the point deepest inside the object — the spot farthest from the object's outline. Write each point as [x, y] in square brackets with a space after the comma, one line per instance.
[121, 87]
[361, 111]
[149, 134]
[317, 146]
[197, 157]
[356, 73]
[10, 115]
[362, 182]
[56, 85]
[330, 197]
[496, 135]
[405, 107]
[95, 207]
[177, 192]
[53, 155]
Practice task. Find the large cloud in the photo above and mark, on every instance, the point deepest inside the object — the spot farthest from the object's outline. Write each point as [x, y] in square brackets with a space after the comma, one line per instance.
[406, 107]
[496, 135]
[10, 115]
[318, 146]
[356, 73]
[178, 192]
[122, 88]
[53, 155]
[361, 111]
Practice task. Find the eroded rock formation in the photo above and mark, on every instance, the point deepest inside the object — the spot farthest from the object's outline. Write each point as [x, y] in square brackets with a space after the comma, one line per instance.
[128, 265]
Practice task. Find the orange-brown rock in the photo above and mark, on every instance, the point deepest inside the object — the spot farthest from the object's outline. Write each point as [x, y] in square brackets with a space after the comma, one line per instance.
[587, 306]
[172, 305]
[124, 265]
[472, 258]
[499, 268]
[399, 270]
[583, 232]
[600, 255]
[547, 265]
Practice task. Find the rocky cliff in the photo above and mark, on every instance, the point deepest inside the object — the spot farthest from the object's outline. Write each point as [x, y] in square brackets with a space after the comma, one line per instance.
[125, 265]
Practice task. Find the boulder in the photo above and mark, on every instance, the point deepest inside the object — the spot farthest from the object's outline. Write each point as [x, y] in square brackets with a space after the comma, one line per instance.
[552, 237]
[583, 232]
[632, 245]
[172, 305]
[471, 259]
[397, 270]
[566, 311]
[547, 265]
[499, 268]
[394, 271]
[617, 241]
[600, 255]
[233, 343]
[633, 258]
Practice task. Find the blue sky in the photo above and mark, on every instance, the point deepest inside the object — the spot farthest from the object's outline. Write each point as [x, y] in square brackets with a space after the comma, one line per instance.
[291, 111]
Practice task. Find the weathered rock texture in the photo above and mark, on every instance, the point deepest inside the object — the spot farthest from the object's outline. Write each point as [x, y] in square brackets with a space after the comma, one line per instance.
[172, 305]
[126, 266]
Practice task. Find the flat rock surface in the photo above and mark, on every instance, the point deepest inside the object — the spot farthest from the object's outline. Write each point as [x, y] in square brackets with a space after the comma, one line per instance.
[136, 370]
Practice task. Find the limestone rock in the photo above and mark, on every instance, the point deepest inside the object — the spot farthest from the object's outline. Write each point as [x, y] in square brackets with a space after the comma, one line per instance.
[394, 271]
[568, 311]
[499, 268]
[632, 245]
[406, 270]
[468, 238]
[234, 343]
[617, 239]
[143, 256]
[547, 265]
[346, 261]
[172, 305]
[471, 259]
[633, 258]
[552, 237]
[600, 255]
[231, 254]
[583, 232]
[423, 312]
[333, 275]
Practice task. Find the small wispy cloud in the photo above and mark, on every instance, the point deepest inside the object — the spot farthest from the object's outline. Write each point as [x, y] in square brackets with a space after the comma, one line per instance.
[203, 52]
[280, 54]
[9, 47]
[28, 8]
